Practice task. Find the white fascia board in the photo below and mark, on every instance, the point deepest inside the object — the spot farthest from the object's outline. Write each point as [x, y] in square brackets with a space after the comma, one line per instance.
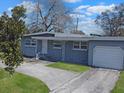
[63, 38]
[81, 38]
[109, 38]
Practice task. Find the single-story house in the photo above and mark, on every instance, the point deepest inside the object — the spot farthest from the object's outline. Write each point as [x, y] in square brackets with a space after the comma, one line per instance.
[107, 52]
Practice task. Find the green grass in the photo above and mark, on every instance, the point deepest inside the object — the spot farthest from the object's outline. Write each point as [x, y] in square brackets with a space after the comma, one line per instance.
[119, 88]
[20, 83]
[69, 67]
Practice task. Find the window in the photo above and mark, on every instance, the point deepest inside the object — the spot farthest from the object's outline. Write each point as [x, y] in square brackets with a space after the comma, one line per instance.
[80, 45]
[84, 45]
[76, 45]
[30, 42]
[33, 42]
[57, 44]
[27, 42]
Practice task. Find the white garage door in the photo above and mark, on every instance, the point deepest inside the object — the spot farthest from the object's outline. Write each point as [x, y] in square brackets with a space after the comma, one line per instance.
[108, 57]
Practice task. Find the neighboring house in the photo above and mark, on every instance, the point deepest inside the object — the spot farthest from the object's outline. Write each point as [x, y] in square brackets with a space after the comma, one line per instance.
[95, 51]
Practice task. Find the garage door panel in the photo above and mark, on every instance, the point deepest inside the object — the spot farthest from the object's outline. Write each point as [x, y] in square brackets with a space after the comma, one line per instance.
[108, 57]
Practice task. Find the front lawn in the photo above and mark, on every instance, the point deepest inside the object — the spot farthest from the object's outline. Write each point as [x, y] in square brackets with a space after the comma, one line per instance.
[20, 83]
[70, 67]
[119, 88]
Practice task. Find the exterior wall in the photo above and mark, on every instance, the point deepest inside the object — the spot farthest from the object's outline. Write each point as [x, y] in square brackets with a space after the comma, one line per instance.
[93, 44]
[53, 53]
[75, 56]
[66, 54]
[27, 50]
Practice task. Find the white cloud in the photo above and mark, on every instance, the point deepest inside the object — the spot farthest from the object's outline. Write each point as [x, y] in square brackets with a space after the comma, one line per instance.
[91, 10]
[72, 1]
[9, 9]
[88, 26]
[81, 8]
[88, 12]
[30, 6]
[100, 8]
[77, 15]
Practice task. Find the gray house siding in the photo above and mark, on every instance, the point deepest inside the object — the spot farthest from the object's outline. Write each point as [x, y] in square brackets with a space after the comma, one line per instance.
[66, 54]
[75, 56]
[28, 51]
[93, 44]
[53, 53]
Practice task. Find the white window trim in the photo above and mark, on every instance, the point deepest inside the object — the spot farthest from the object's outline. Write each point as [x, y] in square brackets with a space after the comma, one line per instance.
[79, 47]
[57, 47]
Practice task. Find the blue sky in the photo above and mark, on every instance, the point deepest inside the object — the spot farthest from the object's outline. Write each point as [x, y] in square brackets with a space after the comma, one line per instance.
[92, 2]
[86, 10]
[5, 4]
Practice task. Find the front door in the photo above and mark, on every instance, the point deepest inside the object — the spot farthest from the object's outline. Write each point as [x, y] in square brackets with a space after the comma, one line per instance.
[44, 46]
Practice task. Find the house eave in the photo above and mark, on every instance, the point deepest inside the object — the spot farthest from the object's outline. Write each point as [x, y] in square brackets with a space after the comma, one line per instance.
[61, 38]
[81, 38]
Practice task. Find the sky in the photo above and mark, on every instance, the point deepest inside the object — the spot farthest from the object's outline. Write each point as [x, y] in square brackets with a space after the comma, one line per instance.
[85, 10]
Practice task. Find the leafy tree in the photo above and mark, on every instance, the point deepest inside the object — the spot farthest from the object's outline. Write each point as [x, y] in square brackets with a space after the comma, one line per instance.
[112, 22]
[11, 30]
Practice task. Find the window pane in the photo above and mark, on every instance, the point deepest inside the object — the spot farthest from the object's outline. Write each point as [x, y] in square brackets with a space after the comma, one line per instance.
[83, 45]
[76, 45]
[33, 42]
[57, 44]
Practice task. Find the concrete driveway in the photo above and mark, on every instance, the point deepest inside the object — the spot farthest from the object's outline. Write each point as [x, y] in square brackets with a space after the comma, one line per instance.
[61, 81]
[53, 78]
[93, 81]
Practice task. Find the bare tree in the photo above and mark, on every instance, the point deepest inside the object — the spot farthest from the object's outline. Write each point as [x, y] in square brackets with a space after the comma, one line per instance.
[50, 15]
[112, 21]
